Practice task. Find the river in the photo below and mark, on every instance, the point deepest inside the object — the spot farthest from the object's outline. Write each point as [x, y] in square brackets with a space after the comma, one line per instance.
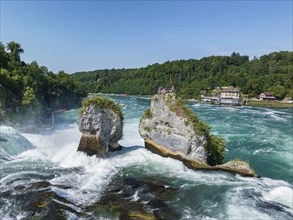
[53, 181]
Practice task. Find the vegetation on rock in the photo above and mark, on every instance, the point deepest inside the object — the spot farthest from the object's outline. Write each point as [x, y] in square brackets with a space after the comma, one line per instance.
[216, 150]
[103, 102]
[147, 114]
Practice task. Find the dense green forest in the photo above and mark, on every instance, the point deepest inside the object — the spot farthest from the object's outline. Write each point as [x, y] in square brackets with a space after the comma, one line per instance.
[30, 91]
[268, 73]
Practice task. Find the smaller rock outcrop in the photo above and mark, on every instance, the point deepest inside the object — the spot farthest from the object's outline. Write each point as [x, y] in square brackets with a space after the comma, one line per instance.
[234, 166]
[101, 123]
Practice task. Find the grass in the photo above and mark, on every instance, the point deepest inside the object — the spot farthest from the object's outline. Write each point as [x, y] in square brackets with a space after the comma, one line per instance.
[269, 104]
[103, 102]
[147, 114]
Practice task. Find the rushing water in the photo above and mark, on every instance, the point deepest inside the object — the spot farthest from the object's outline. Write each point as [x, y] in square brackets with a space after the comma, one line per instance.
[53, 181]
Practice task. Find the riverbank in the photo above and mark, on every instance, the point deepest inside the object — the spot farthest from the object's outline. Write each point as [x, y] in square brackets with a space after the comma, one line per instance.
[268, 104]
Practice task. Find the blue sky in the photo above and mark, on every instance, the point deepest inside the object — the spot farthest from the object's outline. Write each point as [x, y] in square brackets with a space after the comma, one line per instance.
[88, 35]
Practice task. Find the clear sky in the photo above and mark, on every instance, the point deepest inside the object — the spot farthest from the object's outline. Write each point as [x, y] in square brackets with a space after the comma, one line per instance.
[89, 35]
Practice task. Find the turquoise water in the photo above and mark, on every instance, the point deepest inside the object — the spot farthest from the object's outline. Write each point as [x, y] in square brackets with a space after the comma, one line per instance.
[262, 137]
[54, 181]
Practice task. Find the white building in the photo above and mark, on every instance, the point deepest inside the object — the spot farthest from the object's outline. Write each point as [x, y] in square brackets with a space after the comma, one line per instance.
[230, 96]
[267, 96]
[230, 93]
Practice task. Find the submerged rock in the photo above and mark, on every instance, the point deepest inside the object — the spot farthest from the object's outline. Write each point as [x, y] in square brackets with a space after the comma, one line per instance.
[171, 130]
[137, 198]
[234, 166]
[101, 123]
[237, 166]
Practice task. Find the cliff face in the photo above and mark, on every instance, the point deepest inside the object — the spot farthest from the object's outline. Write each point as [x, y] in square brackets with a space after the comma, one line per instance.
[165, 126]
[102, 128]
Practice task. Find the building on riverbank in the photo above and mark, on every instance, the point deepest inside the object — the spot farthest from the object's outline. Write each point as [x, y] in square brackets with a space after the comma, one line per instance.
[230, 96]
[267, 96]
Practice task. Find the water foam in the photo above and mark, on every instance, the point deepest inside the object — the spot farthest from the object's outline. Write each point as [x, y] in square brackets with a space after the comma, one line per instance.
[55, 146]
[88, 183]
[281, 194]
[94, 174]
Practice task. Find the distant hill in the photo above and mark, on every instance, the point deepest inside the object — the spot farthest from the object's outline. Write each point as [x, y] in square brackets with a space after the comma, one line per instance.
[270, 73]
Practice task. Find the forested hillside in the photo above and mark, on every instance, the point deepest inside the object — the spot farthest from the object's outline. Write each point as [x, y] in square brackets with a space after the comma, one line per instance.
[269, 73]
[29, 90]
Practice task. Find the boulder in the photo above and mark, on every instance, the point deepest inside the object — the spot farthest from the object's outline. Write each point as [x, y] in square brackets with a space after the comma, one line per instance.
[101, 123]
[238, 167]
[165, 126]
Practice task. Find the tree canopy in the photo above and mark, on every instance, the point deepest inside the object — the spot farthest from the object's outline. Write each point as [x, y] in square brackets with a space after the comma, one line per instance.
[269, 73]
[32, 90]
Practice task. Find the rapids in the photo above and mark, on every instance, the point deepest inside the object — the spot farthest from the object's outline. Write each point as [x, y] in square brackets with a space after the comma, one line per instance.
[53, 181]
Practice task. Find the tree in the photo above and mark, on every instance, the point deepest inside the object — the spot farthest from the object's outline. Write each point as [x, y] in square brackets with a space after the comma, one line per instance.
[28, 96]
[15, 51]
[3, 56]
[191, 76]
[279, 91]
[29, 90]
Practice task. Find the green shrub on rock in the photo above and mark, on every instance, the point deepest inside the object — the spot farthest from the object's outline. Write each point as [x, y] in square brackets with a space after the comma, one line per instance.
[216, 150]
[147, 114]
[102, 102]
